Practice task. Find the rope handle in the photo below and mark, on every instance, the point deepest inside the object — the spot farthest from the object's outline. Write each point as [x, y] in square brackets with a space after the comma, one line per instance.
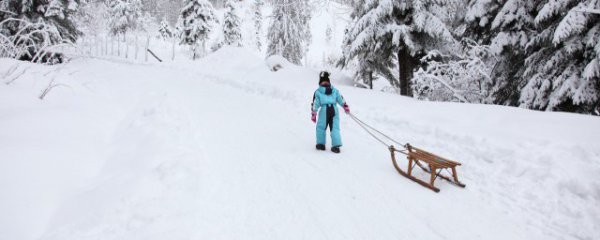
[371, 131]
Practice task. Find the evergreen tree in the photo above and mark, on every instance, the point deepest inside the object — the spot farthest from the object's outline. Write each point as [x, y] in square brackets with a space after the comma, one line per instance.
[29, 28]
[478, 19]
[258, 18]
[231, 26]
[513, 26]
[149, 23]
[91, 18]
[384, 30]
[56, 13]
[562, 70]
[165, 30]
[195, 23]
[305, 16]
[328, 34]
[168, 8]
[289, 34]
[124, 15]
[368, 60]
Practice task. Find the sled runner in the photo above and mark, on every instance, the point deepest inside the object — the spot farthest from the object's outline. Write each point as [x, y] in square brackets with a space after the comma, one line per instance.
[435, 166]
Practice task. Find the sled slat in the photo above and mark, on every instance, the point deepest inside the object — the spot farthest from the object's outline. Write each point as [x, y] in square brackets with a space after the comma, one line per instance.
[442, 158]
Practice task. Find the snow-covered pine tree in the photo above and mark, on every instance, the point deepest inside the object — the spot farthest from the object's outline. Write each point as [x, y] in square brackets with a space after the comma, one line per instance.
[232, 34]
[513, 26]
[367, 61]
[169, 9]
[258, 18]
[478, 18]
[328, 34]
[562, 70]
[124, 15]
[91, 17]
[38, 24]
[306, 10]
[289, 34]
[195, 23]
[58, 13]
[384, 30]
[164, 29]
[148, 23]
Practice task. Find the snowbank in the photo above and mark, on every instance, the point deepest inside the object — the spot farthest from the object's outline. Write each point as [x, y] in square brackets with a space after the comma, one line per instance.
[224, 148]
[277, 62]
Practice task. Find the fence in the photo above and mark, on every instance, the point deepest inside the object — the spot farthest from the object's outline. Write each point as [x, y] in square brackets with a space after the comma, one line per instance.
[135, 48]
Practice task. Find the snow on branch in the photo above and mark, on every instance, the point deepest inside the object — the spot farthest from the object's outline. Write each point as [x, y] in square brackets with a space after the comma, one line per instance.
[589, 10]
[32, 41]
[574, 23]
[463, 76]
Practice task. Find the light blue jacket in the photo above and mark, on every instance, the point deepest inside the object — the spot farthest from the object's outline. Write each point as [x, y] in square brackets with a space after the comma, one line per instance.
[321, 99]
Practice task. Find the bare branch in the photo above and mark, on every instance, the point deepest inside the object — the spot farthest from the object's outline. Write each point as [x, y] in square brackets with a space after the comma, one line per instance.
[51, 85]
[17, 76]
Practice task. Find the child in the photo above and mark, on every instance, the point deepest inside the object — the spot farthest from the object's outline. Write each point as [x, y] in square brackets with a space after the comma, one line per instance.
[324, 101]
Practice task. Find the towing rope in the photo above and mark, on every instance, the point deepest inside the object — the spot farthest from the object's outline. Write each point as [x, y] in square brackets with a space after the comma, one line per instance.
[371, 131]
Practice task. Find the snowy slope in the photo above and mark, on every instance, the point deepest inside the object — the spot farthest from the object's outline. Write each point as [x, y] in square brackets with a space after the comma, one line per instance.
[222, 148]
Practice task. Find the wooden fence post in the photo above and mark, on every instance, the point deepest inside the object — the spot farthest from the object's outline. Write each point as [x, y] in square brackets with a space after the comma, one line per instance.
[147, 46]
[173, 50]
[126, 46]
[118, 46]
[84, 47]
[136, 47]
[112, 46]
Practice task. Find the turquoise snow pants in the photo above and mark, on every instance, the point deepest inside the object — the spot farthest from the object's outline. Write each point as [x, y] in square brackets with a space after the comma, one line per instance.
[329, 117]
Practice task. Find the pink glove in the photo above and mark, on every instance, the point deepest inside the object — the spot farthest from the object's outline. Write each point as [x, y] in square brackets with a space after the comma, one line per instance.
[346, 108]
[313, 117]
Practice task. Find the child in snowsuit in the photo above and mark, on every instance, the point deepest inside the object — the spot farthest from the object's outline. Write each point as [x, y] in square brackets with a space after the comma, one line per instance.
[324, 101]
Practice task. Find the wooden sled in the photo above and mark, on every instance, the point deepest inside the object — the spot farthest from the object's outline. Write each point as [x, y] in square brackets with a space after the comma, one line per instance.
[435, 166]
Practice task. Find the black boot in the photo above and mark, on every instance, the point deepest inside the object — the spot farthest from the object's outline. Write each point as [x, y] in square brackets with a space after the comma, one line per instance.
[335, 149]
[321, 147]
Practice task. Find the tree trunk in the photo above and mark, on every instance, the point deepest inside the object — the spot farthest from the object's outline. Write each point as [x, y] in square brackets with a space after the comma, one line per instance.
[126, 45]
[371, 80]
[194, 52]
[406, 66]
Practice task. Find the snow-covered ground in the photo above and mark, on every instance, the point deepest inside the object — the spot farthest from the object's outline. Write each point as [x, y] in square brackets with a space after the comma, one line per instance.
[223, 148]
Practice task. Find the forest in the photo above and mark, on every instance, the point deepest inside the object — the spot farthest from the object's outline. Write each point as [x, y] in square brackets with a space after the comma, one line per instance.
[535, 54]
